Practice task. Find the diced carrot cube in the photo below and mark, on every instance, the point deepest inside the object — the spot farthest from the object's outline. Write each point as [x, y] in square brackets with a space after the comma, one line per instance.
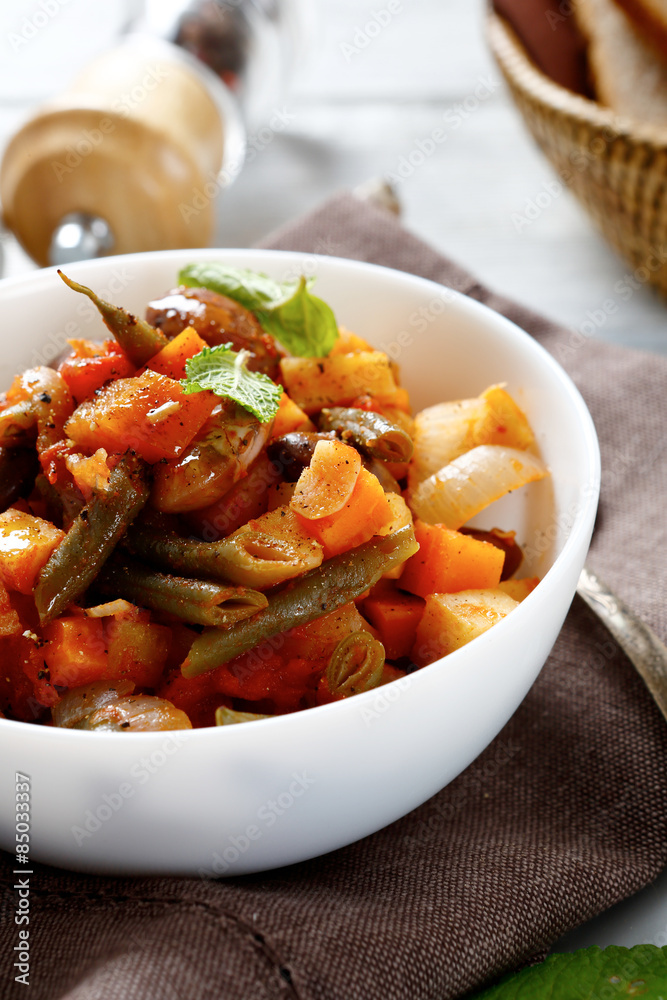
[449, 561]
[80, 650]
[28, 648]
[396, 616]
[76, 651]
[171, 359]
[26, 542]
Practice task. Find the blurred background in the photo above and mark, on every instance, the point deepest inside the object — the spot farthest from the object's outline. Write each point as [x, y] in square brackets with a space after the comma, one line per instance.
[370, 82]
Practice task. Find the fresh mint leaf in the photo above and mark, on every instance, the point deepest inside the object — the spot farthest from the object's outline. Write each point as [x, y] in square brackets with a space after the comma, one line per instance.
[304, 324]
[251, 288]
[589, 974]
[225, 372]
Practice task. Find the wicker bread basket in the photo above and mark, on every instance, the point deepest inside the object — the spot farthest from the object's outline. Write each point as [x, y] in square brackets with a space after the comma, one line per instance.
[616, 167]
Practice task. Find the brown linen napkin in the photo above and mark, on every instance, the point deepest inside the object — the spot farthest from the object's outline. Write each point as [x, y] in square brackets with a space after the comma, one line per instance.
[562, 816]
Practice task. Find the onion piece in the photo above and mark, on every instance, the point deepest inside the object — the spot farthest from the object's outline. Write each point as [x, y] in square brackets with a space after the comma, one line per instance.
[326, 485]
[120, 608]
[137, 713]
[229, 717]
[447, 430]
[78, 703]
[472, 481]
[442, 433]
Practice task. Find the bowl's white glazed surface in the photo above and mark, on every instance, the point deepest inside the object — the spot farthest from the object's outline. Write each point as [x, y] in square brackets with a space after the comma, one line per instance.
[255, 796]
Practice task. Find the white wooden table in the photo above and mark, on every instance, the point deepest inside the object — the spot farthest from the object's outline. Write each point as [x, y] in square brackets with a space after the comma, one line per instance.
[369, 96]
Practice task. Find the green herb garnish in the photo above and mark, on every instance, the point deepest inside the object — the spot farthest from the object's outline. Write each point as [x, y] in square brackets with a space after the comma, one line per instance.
[225, 372]
[304, 324]
[589, 974]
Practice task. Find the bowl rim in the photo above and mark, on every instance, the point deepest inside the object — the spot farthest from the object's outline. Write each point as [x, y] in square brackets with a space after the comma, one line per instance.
[580, 528]
[514, 61]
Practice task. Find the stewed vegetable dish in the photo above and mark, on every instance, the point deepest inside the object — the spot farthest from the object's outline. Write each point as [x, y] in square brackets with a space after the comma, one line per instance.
[227, 512]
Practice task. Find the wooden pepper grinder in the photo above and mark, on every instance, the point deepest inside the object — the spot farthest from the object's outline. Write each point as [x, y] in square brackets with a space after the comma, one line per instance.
[130, 158]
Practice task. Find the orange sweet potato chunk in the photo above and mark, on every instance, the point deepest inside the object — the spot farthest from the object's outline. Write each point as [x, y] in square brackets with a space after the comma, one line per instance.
[149, 413]
[171, 359]
[81, 650]
[396, 616]
[449, 561]
[365, 514]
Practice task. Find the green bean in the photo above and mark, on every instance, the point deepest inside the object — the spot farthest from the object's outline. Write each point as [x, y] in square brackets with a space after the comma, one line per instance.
[18, 468]
[249, 557]
[139, 339]
[355, 665]
[370, 431]
[63, 503]
[260, 556]
[379, 469]
[151, 539]
[197, 602]
[337, 581]
[91, 539]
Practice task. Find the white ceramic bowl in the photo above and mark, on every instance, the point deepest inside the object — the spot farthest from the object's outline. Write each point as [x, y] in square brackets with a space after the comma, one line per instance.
[252, 797]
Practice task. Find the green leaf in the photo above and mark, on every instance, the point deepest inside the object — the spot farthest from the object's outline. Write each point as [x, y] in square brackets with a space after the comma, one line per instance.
[304, 324]
[589, 974]
[225, 372]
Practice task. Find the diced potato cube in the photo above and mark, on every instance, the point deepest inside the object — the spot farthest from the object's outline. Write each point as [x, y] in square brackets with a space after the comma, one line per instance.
[452, 620]
[337, 380]
[449, 561]
[504, 422]
[26, 542]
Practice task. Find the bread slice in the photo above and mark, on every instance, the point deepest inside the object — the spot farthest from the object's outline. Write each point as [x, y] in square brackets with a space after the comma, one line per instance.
[650, 19]
[628, 74]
